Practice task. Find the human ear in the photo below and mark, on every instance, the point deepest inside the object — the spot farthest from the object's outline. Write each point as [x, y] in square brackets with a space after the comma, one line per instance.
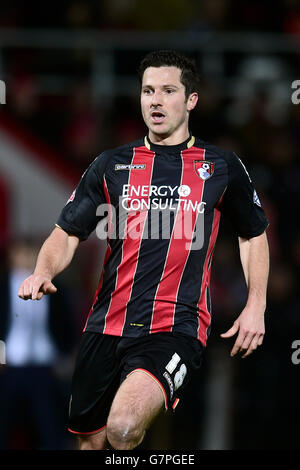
[192, 101]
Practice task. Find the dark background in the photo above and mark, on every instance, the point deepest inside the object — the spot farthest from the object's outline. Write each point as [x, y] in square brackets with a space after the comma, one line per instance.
[69, 70]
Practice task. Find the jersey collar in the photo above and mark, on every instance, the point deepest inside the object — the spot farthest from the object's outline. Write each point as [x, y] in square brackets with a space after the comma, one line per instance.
[155, 147]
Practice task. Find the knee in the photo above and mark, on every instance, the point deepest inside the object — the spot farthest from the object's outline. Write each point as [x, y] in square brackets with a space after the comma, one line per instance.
[123, 433]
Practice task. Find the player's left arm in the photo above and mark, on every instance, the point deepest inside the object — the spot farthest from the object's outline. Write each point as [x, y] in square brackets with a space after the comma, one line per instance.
[250, 325]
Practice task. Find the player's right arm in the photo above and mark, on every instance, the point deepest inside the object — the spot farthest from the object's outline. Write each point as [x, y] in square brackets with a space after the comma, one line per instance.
[54, 256]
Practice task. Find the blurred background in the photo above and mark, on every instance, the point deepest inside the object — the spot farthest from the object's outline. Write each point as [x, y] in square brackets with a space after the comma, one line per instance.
[71, 91]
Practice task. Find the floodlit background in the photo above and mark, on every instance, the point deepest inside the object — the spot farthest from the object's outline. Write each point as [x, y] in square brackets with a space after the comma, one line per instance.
[71, 91]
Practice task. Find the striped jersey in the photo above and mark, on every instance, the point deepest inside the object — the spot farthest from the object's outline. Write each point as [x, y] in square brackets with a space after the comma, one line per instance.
[159, 207]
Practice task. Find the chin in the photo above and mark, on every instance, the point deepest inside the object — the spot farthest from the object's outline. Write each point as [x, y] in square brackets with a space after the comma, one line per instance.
[160, 132]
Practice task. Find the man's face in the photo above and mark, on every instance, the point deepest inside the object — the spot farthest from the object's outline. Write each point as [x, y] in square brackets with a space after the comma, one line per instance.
[165, 108]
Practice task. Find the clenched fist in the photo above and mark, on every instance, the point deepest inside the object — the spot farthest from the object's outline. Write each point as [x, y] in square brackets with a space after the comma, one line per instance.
[35, 286]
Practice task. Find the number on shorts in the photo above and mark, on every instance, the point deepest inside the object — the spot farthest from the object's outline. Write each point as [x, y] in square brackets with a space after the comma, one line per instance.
[171, 366]
[179, 376]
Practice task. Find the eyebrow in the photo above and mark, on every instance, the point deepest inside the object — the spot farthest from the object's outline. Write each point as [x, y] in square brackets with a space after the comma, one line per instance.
[163, 86]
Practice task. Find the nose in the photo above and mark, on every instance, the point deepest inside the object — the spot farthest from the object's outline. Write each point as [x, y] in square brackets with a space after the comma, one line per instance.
[156, 98]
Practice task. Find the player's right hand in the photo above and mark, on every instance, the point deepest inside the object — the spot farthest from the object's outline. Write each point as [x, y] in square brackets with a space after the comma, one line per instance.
[35, 286]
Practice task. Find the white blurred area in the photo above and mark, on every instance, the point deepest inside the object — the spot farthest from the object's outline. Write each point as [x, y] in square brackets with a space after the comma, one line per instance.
[36, 193]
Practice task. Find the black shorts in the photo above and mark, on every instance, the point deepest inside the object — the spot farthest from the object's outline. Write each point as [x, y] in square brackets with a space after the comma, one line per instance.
[104, 361]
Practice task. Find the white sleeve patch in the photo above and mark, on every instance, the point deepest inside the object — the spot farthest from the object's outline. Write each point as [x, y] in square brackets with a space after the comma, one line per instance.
[256, 199]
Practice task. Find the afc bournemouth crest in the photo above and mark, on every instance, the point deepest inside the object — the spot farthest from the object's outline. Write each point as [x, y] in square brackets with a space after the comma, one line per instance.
[204, 169]
[71, 198]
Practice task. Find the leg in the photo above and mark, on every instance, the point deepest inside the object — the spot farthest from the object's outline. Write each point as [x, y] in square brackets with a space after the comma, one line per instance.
[97, 441]
[137, 402]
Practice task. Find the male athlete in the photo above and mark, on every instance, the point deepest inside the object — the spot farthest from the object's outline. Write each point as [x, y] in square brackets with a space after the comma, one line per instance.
[150, 319]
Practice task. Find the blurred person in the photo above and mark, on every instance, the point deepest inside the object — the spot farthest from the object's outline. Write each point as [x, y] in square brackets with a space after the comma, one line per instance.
[146, 331]
[266, 389]
[39, 339]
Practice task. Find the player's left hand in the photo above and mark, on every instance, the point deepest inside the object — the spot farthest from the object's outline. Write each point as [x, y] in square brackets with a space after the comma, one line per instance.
[250, 326]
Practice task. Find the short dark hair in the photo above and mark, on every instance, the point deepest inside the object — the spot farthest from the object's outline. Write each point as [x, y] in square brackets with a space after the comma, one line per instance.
[189, 75]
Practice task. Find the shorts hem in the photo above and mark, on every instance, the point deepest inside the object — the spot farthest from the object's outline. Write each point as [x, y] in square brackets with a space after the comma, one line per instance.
[156, 380]
[175, 404]
[86, 433]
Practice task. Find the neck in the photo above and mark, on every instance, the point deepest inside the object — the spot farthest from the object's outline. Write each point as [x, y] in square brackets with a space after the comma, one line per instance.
[173, 139]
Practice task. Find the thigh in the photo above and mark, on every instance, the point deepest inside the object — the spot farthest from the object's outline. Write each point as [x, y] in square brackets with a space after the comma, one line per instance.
[138, 401]
[95, 381]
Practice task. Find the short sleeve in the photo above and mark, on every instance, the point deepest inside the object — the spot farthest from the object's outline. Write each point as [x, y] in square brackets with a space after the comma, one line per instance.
[241, 203]
[78, 217]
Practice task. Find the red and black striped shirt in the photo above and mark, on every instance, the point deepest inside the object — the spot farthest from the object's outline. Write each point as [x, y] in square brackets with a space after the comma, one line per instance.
[162, 205]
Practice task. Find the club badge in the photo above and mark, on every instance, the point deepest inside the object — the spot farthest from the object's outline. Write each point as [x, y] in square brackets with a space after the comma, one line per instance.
[204, 169]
